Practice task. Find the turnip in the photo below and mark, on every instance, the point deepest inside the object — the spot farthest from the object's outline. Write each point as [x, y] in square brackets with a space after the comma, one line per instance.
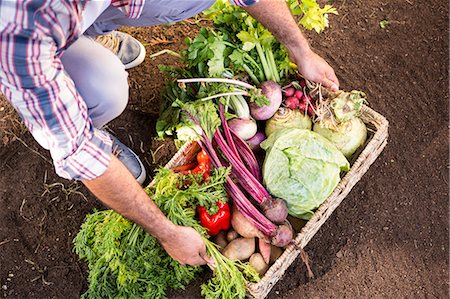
[272, 91]
[288, 118]
[240, 249]
[255, 141]
[244, 128]
[292, 102]
[242, 125]
[258, 263]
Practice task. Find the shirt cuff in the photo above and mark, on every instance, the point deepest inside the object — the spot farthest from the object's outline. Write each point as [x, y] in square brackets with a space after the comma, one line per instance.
[243, 3]
[89, 160]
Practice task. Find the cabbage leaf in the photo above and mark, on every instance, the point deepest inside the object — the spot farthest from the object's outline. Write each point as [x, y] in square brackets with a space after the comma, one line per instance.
[303, 168]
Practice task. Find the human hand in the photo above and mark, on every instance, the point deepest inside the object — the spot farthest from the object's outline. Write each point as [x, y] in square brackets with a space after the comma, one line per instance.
[186, 246]
[315, 68]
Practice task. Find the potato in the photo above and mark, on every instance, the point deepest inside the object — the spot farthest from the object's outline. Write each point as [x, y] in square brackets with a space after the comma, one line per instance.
[231, 235]
[221, 239]
[240, 249]
[258, 263]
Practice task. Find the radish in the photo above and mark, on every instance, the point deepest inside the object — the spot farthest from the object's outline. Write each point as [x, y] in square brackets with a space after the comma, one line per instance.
[289, 92]
[298, 94]
[272, 92]
[292, 102]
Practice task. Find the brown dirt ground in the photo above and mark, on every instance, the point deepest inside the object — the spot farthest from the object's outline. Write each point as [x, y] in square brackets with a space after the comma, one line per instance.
[388, 239]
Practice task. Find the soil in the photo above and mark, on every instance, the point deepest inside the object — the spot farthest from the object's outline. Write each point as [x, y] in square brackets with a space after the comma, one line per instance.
[388, 238]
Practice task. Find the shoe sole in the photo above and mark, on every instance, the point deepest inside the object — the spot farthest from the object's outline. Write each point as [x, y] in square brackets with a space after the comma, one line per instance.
[138, 59]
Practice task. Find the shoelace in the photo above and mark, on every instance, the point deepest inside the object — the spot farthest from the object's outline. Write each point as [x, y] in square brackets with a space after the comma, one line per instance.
[109, 41]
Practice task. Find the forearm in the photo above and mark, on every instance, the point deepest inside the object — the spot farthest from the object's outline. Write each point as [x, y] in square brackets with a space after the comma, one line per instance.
[277, 18]
[119, 190]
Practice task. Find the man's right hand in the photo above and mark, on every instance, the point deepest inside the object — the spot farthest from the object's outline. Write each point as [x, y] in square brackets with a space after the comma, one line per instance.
[118, 189]
[186, 246]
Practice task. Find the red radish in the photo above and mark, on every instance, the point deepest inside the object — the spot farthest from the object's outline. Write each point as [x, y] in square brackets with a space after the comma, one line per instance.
[311, 111]
[298, 94]
[303, 106]
[306, 99]
[289, 92]
[302, 82]
[292, 102]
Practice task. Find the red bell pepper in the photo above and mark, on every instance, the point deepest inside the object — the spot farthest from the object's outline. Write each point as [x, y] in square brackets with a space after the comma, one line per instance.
[217, 222]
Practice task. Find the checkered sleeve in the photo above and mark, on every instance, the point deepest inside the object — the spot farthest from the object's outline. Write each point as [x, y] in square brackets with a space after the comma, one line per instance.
[32, 78]
[243, 3]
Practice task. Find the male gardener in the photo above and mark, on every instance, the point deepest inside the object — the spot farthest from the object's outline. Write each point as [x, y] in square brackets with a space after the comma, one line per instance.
[66, 86]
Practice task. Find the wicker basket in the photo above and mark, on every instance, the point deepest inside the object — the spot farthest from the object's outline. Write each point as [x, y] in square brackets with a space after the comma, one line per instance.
[378, 133]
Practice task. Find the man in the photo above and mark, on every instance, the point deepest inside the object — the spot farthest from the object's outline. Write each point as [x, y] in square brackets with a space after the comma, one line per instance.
[66, 87]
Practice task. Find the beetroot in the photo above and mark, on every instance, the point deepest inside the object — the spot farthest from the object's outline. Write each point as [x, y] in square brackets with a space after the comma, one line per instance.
[283, 236]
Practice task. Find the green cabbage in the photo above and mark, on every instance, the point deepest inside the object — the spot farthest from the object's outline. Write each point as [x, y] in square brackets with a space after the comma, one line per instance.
[301, 167]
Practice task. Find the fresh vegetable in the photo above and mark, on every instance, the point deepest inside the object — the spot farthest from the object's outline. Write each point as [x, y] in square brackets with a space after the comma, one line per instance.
[244, 226]
[347, 136]
[258, 263]
[229, 277]
[255, 141]
[272, 91]
[124, 261]
[204, 165]
[239, 249]
[292, 102]
[231, 235]
[337, 120]
[264, 249]
[210, 126]
[244, 128]
[216, 222]
[288, 118]
[289, 91]
[221, 239]
[302, 168]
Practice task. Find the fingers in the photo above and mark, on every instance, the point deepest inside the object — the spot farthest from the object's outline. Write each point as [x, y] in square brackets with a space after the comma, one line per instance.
[330, 84]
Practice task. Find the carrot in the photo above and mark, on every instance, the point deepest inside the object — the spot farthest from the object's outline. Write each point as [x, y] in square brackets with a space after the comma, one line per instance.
[185, 167]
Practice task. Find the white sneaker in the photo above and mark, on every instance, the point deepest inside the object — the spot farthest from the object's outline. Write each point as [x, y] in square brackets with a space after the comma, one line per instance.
[129, 50]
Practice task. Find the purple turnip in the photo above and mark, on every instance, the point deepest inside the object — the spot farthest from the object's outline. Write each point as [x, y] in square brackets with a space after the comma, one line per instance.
[255, 141]
[245, 128]
[272, 91]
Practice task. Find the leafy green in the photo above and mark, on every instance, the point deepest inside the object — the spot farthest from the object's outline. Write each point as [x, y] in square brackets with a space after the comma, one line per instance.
[229, 279]
[302, 168]
[126, 262]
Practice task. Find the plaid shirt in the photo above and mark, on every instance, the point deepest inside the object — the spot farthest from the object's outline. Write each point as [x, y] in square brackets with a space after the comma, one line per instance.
[33, 34]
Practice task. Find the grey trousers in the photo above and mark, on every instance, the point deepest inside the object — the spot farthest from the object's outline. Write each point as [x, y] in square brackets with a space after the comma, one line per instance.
[98, 74]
